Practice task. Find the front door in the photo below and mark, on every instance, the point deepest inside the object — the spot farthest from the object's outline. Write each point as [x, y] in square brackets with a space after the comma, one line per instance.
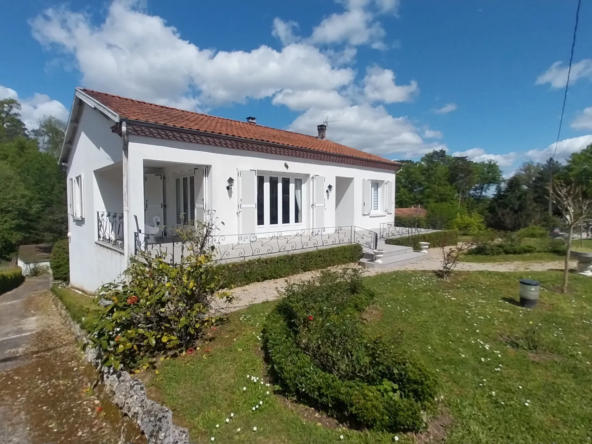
[153, 200]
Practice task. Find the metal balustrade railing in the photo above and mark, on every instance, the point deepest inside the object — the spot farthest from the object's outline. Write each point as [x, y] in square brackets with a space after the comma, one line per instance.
[390, 230]
[110, 228]
[244, 246]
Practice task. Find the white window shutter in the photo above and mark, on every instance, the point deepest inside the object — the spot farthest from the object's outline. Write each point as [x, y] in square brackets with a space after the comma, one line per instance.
[366, 197]
[319, 202]
[248, 201]
[71, 197]
[390, 191]
[200, 195]
[81, 197]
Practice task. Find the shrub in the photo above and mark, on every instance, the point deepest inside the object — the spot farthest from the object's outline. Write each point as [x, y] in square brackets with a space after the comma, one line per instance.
[469, 223]
[533, 232]
[236, 274]
[441, 215]
[319, 352]
[509, 246]
[410, 222]
[10, 279]
[159, 308]
[436, 239]
[59, 261]
[38, 270]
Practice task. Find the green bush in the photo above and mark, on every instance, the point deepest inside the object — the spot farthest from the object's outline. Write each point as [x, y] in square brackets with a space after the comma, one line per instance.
[10, 279]
[59, 261]
[533, 232]
[436, 239]
[441, 215]
[237, 274]
[469, 223]
[82, 308]
[318, 352]
[159, 308]
[510, 246]
[410, 222]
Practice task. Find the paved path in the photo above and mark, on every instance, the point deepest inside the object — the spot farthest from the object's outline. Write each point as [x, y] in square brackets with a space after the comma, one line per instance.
[268, 290]
[48, 394]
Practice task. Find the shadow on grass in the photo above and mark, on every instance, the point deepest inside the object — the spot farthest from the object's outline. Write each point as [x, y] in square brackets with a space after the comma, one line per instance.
[511, 301]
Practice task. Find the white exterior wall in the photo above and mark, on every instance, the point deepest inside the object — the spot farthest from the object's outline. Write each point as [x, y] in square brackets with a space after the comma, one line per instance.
[225, 163]
[27, 267]
[94, 147]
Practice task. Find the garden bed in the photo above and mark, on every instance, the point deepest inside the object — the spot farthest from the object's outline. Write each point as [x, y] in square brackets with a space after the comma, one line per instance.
[492, 358]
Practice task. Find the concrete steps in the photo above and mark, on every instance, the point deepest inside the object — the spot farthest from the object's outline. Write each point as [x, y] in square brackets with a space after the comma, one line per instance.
[394, 256]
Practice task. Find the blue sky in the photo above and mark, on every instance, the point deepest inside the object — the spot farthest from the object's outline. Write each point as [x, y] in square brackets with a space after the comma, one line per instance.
[394, 77]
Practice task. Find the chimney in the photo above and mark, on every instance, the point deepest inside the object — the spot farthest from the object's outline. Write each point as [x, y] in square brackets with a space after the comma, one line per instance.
[251, 119]
[322, 130]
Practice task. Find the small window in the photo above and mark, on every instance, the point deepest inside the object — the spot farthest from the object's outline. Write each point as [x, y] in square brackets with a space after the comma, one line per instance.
[77, 197]
[273, 200]
[375, 200]
[260, 200]
[297, 201]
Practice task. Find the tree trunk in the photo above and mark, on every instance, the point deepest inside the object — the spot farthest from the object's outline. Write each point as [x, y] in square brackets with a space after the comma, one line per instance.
[566, 267]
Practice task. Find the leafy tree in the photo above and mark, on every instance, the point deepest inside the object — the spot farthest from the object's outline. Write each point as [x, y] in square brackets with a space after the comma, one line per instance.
[462, 176]
[11, 125]
[16, 217]
[512, 207]
[50, 135]
[579, 169]
[487, 175]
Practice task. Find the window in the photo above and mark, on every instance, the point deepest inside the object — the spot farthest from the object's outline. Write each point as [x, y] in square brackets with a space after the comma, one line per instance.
[185, 199]
[279, 200]
[273, 200]
[260, 200]
[297, 201]
[285, 200]
[375, 200]
[77, 197]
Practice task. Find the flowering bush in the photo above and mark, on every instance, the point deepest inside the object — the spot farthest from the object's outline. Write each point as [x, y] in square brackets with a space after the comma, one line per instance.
[319, 352]
[159, 308]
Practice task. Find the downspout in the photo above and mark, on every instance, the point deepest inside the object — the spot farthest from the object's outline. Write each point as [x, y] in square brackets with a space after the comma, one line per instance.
[127, 251]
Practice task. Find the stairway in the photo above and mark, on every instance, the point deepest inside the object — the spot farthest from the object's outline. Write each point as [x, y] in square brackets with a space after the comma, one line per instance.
[394, 256]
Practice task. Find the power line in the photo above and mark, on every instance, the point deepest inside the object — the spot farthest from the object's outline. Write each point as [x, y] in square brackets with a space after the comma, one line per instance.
[571, 56]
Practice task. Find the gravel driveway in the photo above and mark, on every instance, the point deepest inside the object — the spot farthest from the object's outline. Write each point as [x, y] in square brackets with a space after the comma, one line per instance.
[48, 394]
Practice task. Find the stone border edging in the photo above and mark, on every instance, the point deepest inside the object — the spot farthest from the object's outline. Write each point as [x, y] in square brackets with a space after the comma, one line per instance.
[129, 394]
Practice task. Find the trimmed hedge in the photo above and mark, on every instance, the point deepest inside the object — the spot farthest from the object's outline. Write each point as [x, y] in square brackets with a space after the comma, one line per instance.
[10, 279]
[82, 308]
[237, 274]
[318, 352]
[555, 246]
[410, 222]
[436, 239]
[59, 261]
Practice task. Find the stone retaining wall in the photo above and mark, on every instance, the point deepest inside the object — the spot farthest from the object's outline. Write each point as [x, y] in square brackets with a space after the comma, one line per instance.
[129, 394]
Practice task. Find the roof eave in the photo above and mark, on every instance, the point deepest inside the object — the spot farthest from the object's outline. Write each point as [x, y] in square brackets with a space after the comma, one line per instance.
[391, 163]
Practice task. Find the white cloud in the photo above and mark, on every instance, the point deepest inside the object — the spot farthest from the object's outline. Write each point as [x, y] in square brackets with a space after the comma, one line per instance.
[448, 108]
[379, 86]
[284, 31]
[302, 100]
[564, 149]
[367, 128]
[357, 25]
[432, 134]
[479, 155]
[35, 108]
[584, 120]
[556, 75]
[139, 56]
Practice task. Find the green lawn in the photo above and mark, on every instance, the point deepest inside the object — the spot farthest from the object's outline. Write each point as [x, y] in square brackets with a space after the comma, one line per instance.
[582, 245]
[495, 386]
[530, 257]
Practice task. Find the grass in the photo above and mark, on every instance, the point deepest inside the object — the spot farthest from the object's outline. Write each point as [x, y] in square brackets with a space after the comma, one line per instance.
[82, 308]
[530, 257]
[582, 245]
[507, 374]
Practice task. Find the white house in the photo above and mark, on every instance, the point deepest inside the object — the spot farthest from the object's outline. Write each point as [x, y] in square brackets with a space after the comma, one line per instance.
[136, 171]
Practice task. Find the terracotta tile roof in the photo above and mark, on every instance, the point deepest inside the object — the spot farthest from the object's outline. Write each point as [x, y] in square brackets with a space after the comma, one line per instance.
[130, 109]
[411, 212]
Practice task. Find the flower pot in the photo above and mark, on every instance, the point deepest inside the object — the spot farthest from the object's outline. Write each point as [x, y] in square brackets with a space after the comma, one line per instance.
[584, 262]
[529, 293]
[378, 255]
[423, 247]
